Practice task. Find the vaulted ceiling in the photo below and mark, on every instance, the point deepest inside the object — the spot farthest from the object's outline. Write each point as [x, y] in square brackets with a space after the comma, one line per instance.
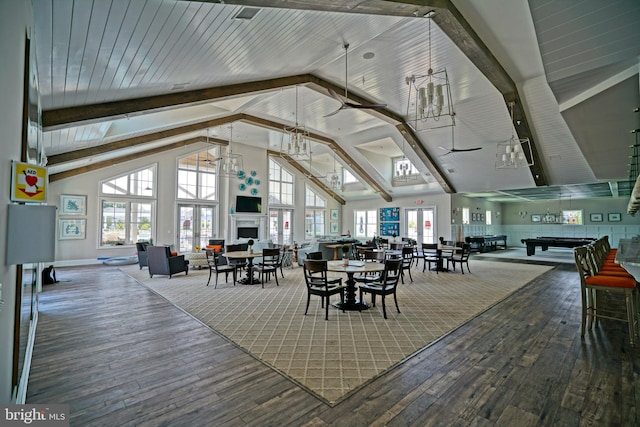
[123, 79]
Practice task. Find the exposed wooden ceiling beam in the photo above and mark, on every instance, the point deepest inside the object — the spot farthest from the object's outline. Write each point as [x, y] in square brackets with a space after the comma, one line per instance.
[346, 158]
[117, 160]
[139, 140]
[305, 172]
[450, 21]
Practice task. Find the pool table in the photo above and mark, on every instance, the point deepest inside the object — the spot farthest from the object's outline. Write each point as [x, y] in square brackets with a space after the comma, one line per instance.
[557, 242]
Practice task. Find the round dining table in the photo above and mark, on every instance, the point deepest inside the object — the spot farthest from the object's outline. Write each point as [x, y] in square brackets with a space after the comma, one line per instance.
[350, 300]
[249, 256]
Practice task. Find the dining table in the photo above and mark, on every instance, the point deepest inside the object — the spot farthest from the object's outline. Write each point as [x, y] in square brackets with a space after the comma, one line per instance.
[354, 266]
[249, 256]
[440, 261]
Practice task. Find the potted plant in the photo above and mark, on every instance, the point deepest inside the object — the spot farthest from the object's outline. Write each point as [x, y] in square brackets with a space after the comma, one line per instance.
[250, 243]
[345, 254]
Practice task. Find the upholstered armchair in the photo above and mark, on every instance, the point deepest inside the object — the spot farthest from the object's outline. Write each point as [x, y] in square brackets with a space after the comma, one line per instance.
[162, 262]
[141, 248]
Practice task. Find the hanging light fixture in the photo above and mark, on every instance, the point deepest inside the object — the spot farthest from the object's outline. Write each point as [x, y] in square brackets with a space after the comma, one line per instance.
[403, 169]
[295, 140]
[514, 153]
[230, 163]
[335, 179]
[429, 96]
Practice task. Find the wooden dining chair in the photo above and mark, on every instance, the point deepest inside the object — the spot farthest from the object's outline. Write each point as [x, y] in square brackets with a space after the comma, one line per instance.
[318, 283]
[460, 256]
[387, 284]
[430, 254]
[218, 264]
[406, 262]
[269, 265]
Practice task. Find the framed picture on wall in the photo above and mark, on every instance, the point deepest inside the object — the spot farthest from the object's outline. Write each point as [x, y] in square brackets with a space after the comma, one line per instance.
[73, 205]
[615, 217]
[595, 217]
[389, 214]
[334, 228]
[72, 229]
[536, 218]
[334, 214]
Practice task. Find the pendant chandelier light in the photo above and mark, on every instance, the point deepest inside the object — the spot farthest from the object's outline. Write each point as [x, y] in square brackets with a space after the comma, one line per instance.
[230, 163]
[403, 169]
[429, 97]
[335, 178]
[514, 153]
[295, 140]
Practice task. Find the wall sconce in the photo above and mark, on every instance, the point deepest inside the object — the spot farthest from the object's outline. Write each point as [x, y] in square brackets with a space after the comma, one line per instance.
[455, 211]
[522, 214]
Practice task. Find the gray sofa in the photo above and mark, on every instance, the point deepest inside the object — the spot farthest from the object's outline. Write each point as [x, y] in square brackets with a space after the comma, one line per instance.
[321, 246]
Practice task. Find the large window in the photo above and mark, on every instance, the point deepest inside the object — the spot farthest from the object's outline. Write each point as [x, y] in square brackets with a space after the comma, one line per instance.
[280, 185]
[366, 223]
[197, 176]
[314, 215]
[127, 208]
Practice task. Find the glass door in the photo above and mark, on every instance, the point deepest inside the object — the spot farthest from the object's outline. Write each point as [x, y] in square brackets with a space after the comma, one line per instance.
[420, 225]
[195, 226]
[280, 225]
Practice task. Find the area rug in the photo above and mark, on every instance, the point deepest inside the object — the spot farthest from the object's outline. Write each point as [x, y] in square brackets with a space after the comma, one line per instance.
[333, 358]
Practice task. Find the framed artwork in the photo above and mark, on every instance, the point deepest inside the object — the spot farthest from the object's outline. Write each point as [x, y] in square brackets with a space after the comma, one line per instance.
[72, 229]
[334, 214]
[550, 218]
[536, 218]
[73, 205]
[615, 217]
[389, 214]
[389, 228]
[334, 228]
[595, 217]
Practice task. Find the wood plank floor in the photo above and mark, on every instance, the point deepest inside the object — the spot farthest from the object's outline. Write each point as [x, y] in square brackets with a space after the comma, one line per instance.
[122, 356]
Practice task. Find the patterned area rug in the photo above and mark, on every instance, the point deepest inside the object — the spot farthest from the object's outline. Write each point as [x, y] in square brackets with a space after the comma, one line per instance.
[333, 358]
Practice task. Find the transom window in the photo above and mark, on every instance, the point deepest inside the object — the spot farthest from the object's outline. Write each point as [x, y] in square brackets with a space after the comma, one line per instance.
[348, 177]
[127, 208]
[280, 185]
[197, 176]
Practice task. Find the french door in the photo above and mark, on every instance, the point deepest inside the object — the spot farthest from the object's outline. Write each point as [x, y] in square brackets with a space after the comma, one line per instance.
[280, 225]
[420, 224]
[195, 226]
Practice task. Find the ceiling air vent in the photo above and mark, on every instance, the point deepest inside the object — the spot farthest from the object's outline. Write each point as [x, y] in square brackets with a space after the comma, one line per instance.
[247, 13]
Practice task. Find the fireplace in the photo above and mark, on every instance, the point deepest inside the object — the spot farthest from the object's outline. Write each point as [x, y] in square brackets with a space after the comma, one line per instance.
[248, 232]
[248, 226]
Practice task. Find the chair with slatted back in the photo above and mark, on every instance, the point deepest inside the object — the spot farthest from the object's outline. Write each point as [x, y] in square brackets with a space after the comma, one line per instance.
[407, 262]
[431, 255]
[319, 283]
[460, 256]
[218, 264]
[594, 285]
[370, 256]
[314, 255]
[386, 285]
[269, 265]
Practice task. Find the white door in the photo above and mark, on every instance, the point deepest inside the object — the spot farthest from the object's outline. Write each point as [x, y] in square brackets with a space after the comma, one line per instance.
[420, 224]
[195, 226]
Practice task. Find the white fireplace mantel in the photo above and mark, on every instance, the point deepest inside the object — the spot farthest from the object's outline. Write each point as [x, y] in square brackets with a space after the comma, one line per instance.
[248, 220]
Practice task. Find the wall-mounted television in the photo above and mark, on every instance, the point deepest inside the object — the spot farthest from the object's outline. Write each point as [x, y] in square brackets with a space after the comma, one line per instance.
[248, 204]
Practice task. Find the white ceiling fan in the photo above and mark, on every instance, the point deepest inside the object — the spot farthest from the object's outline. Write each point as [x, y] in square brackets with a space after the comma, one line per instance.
[345, 100]
[453, 148]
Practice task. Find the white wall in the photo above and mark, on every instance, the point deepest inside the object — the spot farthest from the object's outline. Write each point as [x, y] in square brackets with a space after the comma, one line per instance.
[15, 21]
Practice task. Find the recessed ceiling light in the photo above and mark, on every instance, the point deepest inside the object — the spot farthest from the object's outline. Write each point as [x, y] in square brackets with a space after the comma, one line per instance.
[368, 55]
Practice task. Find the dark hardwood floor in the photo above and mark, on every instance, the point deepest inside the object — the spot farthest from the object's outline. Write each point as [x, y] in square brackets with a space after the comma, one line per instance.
[121, 356]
